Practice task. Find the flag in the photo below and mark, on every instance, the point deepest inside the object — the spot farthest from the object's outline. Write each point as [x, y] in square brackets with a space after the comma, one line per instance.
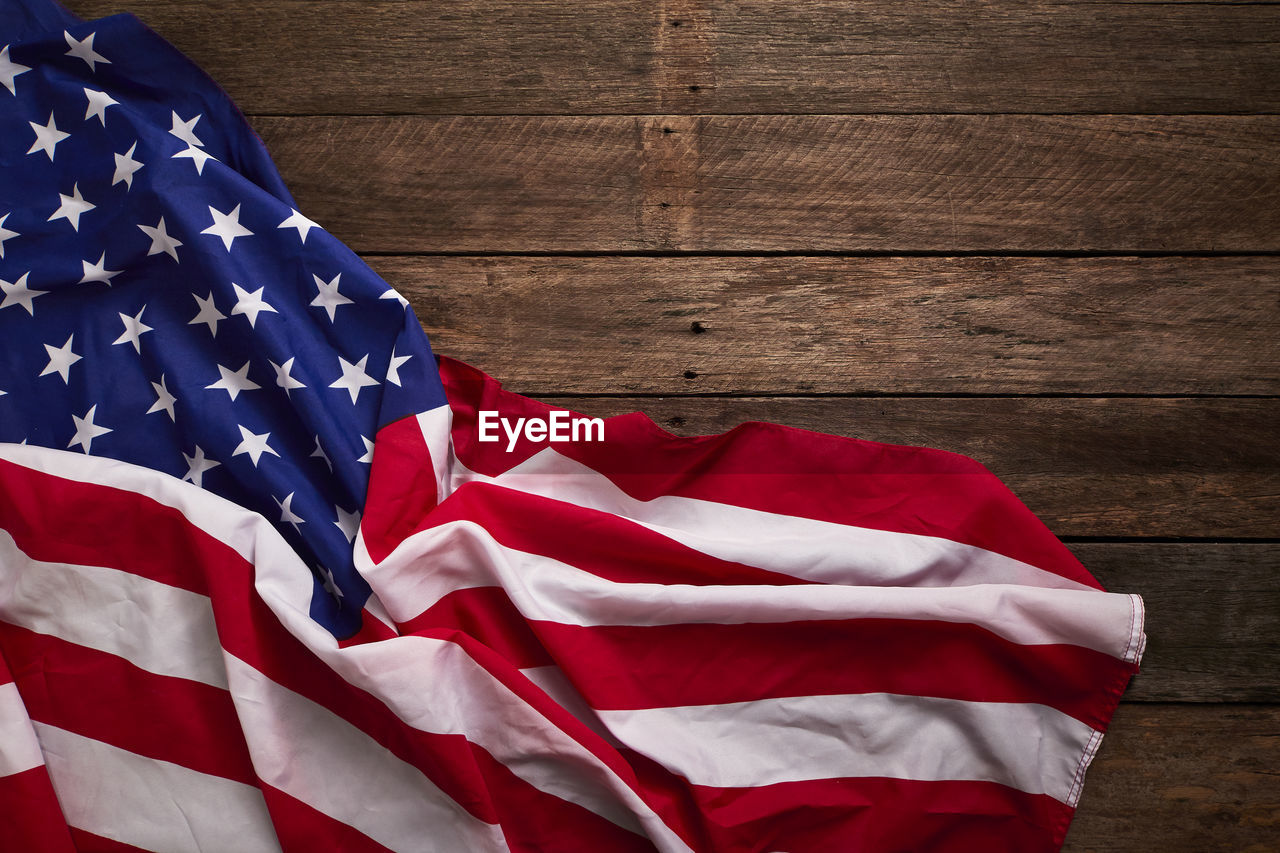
[274, 576]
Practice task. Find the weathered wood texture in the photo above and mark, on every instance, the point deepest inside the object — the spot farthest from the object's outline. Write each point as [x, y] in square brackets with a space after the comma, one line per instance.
[1179, 778]
[828, 56]
[767, 325]
[796, 183]
[1087, 467]
[1213, 617]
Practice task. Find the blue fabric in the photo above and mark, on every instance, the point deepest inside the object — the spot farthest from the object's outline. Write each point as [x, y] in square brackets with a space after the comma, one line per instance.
[102, 270]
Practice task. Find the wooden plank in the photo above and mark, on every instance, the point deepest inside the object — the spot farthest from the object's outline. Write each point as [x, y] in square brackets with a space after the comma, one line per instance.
[1178, 778]
[1213, 617]
[626, 56]
[769, 325]
[795, 183]
[1172, 468]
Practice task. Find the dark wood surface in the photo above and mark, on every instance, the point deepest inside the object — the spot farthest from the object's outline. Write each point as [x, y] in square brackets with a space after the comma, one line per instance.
[856, 325]
[1045, 235]
[755, 183]
[548, 57]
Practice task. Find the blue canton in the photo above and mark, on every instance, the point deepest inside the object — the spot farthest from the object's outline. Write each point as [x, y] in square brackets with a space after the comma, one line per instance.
[165, 303]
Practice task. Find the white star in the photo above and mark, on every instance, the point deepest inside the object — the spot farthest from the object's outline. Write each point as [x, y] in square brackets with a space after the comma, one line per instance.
[161, 241]
[86, 430]
[5, 234]
[393, 370]
[287, 515]
[250, 304]
[184, 130]
[197, 465]
[125, 167]
[368, 451]
[72, 207]
[297, 220]
[134, 328]
[17, 293]
[164, 403]
[84, 50]
[98, 271]
[199, 155]
[283, 379]
[328, 297]
[254, 445]
[47, 137]
[233, 382]
[392, 293]
[227, 226]
[98, 103]
[9, 70]
[353, 377]
[209, 314]
[319, 451]
[348, 523]
[329, 586]
[60, 361]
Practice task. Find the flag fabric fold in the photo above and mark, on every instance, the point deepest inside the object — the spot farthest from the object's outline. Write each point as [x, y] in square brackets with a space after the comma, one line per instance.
[274, 576]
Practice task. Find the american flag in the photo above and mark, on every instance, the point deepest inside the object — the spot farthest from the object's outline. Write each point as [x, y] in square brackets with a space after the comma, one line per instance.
[263, 587]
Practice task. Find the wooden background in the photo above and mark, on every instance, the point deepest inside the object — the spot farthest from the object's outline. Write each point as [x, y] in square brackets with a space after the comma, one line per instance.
[1043, 235]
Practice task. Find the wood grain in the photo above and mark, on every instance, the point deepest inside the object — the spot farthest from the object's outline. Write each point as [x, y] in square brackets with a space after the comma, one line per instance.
[1213, 617]
[765, 325]
[1178, 778]
[809, 56]
[793, 183]
[1167, 468]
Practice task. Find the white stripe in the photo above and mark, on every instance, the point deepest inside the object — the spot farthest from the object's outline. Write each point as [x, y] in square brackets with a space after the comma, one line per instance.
[317, 757]
[1026, 746]
[436, 425]
[462, 554]
[149, 803]
[157, 627]
[19, 749]
[818, 551]
[399, 671]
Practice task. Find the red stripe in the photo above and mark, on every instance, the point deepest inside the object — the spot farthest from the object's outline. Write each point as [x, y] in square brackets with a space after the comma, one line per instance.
[35, 516]
[619, 667]
[487, 615]
[107, 698]
[866, 813]
[30, 816]
[402, 487]
[606, 545]
[780, 470]
[626, 667]
[248, 629]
